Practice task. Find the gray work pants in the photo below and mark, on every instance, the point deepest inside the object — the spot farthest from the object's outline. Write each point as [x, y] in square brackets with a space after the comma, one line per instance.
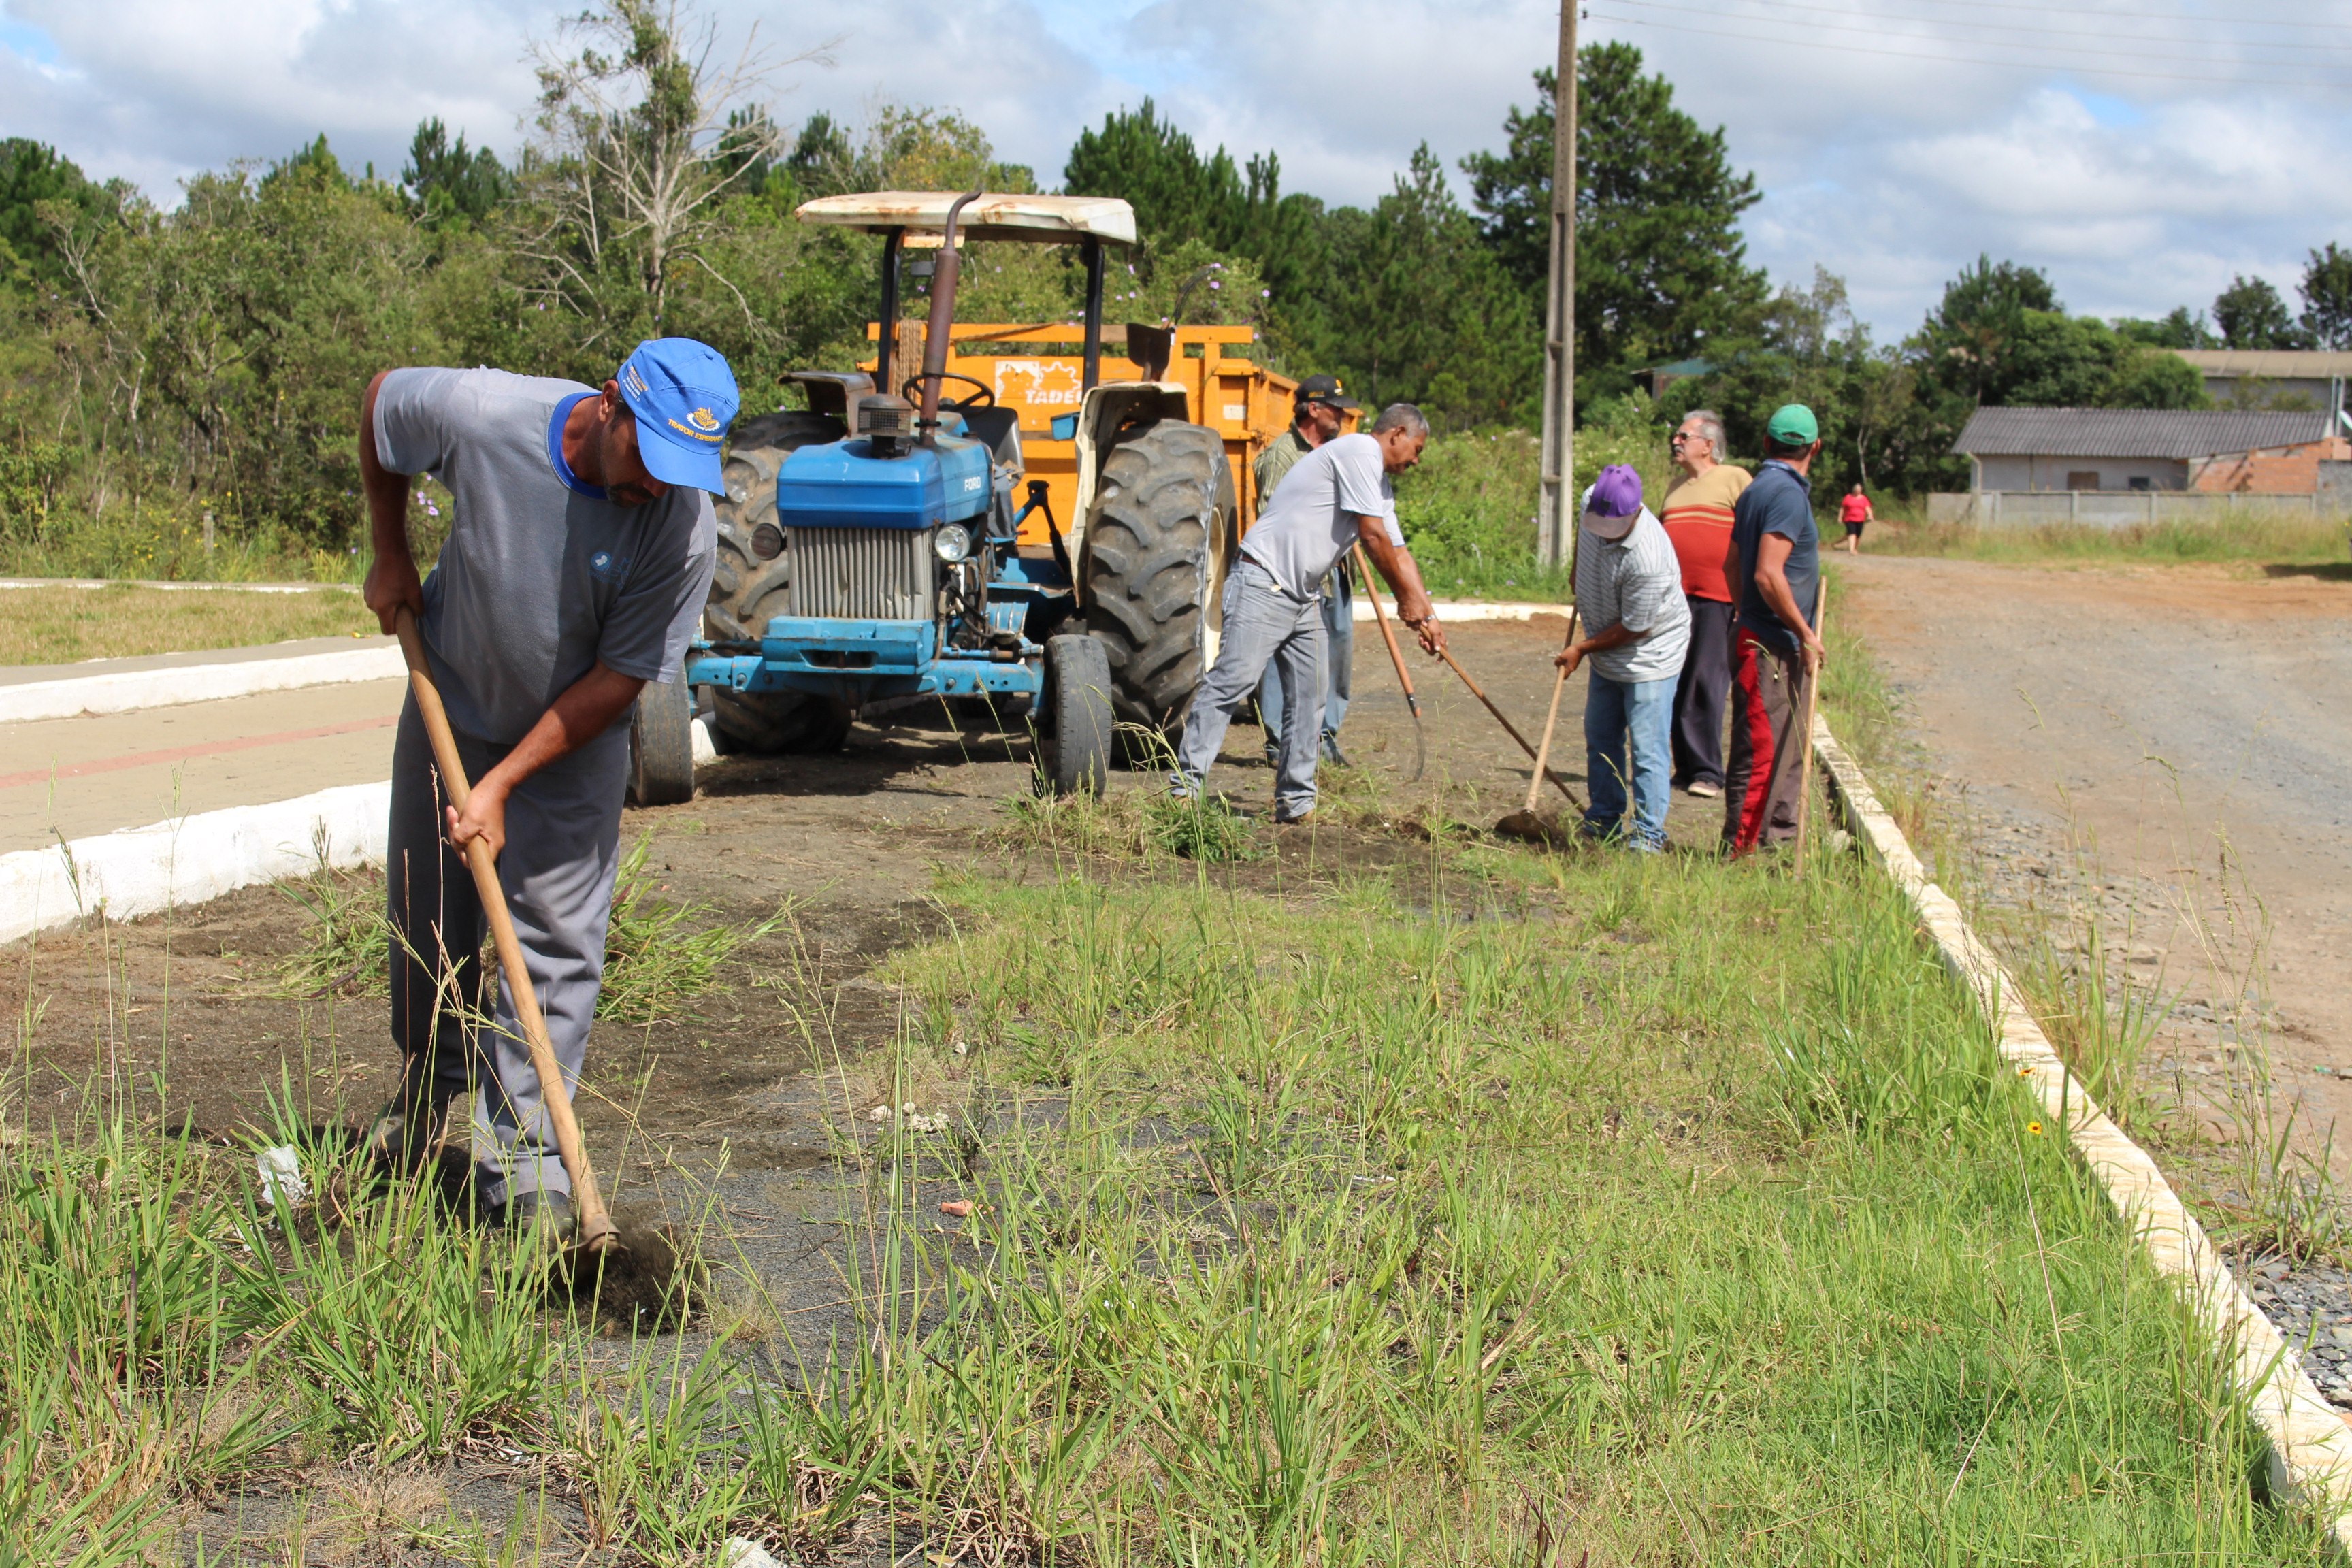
[1338, 652]
[563, 831]
[1263, 625]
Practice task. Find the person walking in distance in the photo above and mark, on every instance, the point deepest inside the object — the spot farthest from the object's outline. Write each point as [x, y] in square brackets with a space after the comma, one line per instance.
[1854, 511]
[1775, 648]
[1629, 594]
[575, 572]
[1698, 519]
[1317, 415]
[1337, 497]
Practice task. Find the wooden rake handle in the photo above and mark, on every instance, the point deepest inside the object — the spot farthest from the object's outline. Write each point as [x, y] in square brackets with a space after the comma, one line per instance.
[1513, 730]
[597, 1231]
[1804, 735]
[1551, 719]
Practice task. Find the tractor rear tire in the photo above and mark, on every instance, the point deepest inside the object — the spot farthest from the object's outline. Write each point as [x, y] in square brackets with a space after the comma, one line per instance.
[747, 591]
[1074, 740]
[661, 744]
[1162, 522]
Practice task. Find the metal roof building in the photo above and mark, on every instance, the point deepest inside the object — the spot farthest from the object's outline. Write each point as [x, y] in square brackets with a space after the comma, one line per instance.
[2118, 448]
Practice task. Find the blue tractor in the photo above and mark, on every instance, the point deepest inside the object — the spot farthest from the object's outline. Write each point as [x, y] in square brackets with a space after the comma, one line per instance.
[870, 558]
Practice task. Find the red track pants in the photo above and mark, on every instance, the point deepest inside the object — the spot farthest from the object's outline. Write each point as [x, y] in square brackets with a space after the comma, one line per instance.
[1762, 777]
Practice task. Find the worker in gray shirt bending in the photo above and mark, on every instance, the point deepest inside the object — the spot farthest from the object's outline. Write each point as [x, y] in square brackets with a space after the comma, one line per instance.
[578, 561]
[1337, 496]
[1629, 594]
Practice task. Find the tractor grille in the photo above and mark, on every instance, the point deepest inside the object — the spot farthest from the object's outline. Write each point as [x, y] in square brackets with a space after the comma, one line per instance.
[861, 573]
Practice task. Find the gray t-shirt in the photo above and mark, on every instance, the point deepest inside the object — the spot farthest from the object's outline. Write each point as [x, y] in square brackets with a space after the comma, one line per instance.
[1311, 522]
[538, 581]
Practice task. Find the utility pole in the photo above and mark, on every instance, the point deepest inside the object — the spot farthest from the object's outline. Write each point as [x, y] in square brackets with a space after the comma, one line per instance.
[1553, 522]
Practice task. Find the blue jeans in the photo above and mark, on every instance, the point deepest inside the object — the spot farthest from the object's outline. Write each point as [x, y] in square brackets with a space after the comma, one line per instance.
[1642, 710]
[1339, 648]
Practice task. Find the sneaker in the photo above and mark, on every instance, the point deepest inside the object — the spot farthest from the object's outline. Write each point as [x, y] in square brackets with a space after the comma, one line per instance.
[541, 1214]
[1283, 820]
[1705, 789]
[1333, 754]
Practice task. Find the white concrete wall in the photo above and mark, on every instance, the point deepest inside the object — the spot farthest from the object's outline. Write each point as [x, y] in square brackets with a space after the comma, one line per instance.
[2046, 472]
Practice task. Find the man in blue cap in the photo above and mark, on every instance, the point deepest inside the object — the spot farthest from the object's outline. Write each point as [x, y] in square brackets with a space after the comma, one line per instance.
[579, 557]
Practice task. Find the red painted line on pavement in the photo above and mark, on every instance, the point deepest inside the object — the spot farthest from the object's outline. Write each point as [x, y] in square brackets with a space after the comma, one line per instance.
[182, 754]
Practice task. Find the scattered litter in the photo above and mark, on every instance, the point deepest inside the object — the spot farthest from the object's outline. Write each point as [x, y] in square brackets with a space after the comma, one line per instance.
[916, 1122]
[960, 1048]
[740, 1551]
[961, 1208]
[879, 1113]
[280, 1169]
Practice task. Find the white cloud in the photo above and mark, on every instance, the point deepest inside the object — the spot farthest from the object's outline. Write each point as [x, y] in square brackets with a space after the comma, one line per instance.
[2135, 192]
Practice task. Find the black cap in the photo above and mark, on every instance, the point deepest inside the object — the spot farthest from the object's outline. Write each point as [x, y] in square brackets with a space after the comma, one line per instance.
[1324, 389]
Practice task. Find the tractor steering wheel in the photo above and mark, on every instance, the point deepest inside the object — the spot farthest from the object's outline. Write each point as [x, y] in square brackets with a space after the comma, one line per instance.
[913, 388]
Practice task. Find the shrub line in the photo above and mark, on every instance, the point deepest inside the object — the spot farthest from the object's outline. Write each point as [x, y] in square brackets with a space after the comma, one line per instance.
[2309, 1448]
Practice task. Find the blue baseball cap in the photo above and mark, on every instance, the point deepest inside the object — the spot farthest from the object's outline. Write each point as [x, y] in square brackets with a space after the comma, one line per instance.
[684, 396]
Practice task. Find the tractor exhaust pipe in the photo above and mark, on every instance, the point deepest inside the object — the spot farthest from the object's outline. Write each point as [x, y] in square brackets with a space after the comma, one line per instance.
[935, 331]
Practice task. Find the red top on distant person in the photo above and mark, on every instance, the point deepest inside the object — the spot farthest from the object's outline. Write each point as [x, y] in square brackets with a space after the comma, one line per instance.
[1854, 509]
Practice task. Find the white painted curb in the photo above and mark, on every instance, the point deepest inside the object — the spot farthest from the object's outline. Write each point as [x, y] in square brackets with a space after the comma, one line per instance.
[2310, 1447]
[141, 871]
[135, 688]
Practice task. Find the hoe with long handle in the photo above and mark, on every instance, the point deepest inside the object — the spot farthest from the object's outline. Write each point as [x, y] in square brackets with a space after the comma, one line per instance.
[1805, 729]
[597, 1232]
[1396, 658]
[1512, 730]
[1551, 719]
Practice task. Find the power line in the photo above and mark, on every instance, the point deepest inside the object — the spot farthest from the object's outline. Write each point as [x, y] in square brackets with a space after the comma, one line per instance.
[2007, 27]
[2232, 20]
[2205, 78]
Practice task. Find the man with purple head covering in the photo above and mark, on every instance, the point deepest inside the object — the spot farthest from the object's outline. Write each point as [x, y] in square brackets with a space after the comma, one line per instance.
[1629, 591]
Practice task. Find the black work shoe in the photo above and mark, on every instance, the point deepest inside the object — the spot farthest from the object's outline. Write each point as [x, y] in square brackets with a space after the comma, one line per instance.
[1297, 820]
[1333, 754]
[402, 1139]
[542, 1215]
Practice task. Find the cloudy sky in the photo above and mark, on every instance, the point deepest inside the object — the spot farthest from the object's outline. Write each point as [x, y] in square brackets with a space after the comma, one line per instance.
[2140, 150]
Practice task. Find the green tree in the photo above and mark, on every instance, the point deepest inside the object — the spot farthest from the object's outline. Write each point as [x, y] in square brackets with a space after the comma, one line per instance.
[2327, 298]
[449, 183]
[2252, 316]
[1435, 320]
[40, 190]
[2179, 330]
[1660, 268]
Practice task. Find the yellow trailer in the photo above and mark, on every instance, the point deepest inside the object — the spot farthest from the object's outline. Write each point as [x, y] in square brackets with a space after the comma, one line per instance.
[1039, 370]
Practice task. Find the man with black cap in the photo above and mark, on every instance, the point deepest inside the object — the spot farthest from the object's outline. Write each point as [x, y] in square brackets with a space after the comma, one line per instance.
[1776, 649]
[1315, 419]
[1629, 594]
[575, 570]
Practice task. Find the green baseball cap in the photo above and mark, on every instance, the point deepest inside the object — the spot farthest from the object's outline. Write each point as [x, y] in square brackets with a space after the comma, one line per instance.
[1792, 425]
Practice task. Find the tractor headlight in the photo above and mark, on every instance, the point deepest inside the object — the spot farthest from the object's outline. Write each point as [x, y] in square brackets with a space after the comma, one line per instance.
[952, 543]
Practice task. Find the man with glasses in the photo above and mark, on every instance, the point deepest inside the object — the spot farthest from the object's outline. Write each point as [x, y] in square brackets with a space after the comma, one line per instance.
[1697, 516]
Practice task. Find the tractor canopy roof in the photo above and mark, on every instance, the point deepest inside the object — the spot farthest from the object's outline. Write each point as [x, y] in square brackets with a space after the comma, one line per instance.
[1046, 220]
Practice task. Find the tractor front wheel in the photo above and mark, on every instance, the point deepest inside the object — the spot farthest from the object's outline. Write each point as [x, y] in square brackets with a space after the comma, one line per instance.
[1074, 738]
[661, 744]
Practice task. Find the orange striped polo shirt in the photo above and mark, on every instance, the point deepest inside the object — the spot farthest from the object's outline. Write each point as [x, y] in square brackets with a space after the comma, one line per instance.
[1697, 515]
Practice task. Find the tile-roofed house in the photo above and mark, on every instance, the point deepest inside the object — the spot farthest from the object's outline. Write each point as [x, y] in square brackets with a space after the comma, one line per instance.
[2141, 448]
[2264, 378]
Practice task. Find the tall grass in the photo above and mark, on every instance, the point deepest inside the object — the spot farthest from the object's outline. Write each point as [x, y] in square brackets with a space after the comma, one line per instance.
[2258, 536]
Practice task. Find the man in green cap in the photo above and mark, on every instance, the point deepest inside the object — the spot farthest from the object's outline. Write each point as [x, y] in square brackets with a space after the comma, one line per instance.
[1777, 647]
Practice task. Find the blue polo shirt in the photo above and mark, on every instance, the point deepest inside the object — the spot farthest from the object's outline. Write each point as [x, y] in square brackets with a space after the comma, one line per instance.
[1780, 503]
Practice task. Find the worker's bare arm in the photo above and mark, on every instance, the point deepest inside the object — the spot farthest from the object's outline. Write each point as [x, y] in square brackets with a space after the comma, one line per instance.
[1403, 575]
[392, 579]
[586, 709]
[1772, 581]
[1575, 653]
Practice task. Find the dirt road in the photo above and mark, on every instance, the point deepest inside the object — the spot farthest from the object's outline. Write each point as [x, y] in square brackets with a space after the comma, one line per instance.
[2191, 726]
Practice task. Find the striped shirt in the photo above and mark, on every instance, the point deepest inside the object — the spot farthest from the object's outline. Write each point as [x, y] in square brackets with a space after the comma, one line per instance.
[1698, 520]
[1637, 582]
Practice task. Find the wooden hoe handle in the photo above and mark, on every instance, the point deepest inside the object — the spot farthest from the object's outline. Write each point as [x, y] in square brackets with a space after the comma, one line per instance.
[1804, 736]
[1551, 719]
[597, 1232]
[1513, 730]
